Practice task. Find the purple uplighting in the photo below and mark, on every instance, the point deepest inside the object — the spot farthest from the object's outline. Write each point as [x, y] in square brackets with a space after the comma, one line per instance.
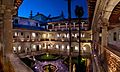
[57, 66]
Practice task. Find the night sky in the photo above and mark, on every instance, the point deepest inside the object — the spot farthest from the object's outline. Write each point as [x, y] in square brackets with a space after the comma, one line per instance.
[53, 7]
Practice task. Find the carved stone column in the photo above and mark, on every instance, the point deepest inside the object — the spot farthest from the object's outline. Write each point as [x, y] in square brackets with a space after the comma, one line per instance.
[95, 39]
[104, 41]
[7, 13]
[8, 31]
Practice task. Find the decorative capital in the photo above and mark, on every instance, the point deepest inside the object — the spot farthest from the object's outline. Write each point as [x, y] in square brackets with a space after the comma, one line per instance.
[17, 3]
[8, 9]
[11, 9]
[105, 22]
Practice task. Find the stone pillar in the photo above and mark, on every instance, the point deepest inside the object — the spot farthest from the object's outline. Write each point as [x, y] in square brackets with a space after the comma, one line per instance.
[95, 40]
[95, 48]
[104, 41]
[7, 31]
[59, 26]
[66, 25]
[53, 27]
[104, 37]
[7, 13]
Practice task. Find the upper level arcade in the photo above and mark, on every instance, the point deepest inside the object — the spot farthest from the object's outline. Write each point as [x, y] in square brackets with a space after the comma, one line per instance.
[63, 25]
[105, 28]
[27, 41]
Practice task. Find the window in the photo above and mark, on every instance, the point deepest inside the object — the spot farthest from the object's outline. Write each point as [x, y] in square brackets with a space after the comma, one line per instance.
[100, 29]
[37, 46]
[57, 46]
[34, 46]
[34, 34]
[27, 36]
[63, 47]
[16, 21]
[13, 36]
[21, 33]
[76, 48]
[50, 26]
[114, 36]
[37, 24]
[37, 34]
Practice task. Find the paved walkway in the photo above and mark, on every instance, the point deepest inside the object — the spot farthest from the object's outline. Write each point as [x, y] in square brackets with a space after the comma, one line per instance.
[18, 65]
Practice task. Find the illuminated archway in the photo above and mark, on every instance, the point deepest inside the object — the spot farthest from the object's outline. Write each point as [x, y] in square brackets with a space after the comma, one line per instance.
[109, 8]
[86, 47]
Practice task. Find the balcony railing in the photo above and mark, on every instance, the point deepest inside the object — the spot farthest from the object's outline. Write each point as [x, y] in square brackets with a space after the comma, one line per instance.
[28, 27]
[52, 51]
[112, 59]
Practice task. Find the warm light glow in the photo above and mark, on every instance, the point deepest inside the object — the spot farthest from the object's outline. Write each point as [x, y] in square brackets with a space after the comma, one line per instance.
[63, 47]
[34, 46]
[22, 39]
[40, 46]
[47, 54]
[83, 35]
[74, 68]
[19, 48]
[84, 48]
[34, 59]
[28, 40]
[33, 35]
[68, 47]
[58, 35]
[57, 46]
[48, 47]
[94, 55]
[75, 35]
[67, 35]
[100, 35]
[76, 48]
[33, 40]
[15, 33]
[44, 36]
[83, 59]
[62, 39]
[14, 48]
[51, 46]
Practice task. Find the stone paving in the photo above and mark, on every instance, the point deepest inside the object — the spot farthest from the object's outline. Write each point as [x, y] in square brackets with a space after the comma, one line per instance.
[18, 65]
[60, 67]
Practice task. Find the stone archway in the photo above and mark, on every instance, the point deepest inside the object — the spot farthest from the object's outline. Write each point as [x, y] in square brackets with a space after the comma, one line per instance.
[109, 8]
[86, 47]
